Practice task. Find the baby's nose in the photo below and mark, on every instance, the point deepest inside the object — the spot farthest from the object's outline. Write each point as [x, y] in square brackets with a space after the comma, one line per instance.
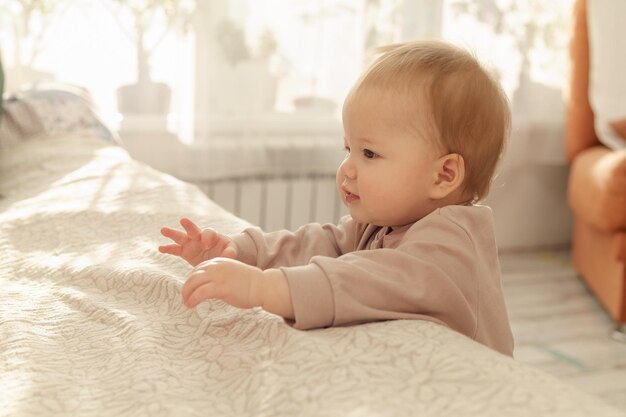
[347, 169]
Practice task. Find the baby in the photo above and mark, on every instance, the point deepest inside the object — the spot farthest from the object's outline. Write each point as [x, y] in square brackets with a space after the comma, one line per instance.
[424, 129]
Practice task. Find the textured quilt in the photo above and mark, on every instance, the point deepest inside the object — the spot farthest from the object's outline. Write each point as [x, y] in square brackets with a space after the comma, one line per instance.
[92, 323]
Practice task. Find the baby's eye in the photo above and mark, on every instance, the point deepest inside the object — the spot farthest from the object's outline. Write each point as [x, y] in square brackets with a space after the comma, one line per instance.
[369, 154]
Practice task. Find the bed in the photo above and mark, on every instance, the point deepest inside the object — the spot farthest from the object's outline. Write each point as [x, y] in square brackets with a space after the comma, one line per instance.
[92, 323]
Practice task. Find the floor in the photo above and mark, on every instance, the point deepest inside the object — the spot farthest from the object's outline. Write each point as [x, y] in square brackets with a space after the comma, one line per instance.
[560, 327]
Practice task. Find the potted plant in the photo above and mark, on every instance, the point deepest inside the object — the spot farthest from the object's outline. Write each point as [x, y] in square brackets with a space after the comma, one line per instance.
[137, 19]
[29, 21]
[244, 68]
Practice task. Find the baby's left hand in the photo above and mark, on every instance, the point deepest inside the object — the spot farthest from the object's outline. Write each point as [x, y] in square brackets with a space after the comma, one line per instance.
[226, 279]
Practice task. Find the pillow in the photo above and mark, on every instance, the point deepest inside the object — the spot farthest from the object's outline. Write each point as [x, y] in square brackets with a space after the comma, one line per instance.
[18, 122]
[52, 109]
[1, 86]
[607, 83]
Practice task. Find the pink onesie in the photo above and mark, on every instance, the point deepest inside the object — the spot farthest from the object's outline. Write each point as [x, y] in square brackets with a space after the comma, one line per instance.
[443, 268]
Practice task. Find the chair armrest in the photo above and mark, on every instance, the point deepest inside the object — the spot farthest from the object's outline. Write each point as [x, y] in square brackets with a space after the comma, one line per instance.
[597, 187]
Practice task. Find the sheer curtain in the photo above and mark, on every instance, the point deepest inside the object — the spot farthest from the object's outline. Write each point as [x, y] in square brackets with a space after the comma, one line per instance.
[246, 87]
[279, 69]
[245, 67]
[272, 76]
[97, 44]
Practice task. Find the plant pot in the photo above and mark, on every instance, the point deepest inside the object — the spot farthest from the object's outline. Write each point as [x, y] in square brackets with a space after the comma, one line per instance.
[245, 89]
[145, 98]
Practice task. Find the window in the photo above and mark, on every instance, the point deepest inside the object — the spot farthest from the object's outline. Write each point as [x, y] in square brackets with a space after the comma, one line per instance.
[272, 68]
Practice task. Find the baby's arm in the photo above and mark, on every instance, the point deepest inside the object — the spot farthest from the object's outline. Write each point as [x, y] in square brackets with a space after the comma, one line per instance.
[240, 285]
[285, 248]
[195, 245]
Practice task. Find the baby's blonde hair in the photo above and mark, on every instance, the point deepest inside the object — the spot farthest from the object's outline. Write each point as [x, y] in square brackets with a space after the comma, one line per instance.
[466, 109]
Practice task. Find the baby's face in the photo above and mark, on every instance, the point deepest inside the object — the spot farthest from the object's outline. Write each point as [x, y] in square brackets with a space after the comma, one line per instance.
[387, 175]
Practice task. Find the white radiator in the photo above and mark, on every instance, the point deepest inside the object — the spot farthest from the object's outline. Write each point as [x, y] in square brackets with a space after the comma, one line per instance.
[278, 202]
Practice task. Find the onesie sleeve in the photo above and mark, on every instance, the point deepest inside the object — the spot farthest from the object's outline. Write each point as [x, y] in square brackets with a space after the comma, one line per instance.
[286, 248]
[429, 277]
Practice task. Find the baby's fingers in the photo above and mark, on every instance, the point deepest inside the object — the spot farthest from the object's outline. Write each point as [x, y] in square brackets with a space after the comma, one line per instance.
[175, 250]
[203, 292]
[190, 227]
[196, 288]
[176, 235]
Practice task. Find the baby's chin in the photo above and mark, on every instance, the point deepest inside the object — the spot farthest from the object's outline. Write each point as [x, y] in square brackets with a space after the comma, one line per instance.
[381, 221]
[363, 218]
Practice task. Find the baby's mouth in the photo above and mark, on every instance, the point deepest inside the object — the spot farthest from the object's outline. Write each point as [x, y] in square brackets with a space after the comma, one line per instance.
[349, 197]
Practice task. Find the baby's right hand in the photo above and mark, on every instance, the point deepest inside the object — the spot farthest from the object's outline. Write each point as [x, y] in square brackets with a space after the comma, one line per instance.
[195, 245]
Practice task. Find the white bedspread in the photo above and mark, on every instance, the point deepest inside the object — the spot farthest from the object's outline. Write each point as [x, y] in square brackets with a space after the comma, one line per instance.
[91, 319]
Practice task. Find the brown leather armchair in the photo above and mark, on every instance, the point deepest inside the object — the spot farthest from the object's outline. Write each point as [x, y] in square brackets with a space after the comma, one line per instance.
[597, 187]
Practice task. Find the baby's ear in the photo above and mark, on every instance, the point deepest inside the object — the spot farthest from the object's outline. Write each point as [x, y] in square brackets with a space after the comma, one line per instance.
[448, 176]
